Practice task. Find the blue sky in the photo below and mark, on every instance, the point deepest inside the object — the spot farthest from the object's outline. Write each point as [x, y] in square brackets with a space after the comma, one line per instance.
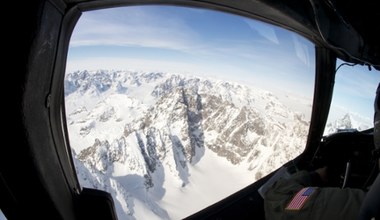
[193, 41]
[355, 88]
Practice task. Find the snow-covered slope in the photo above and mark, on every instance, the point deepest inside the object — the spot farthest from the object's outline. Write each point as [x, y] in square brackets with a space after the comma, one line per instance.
[343, 119]
[167, 145]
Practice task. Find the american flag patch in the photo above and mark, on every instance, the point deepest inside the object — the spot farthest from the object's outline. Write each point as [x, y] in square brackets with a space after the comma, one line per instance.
[300, 199]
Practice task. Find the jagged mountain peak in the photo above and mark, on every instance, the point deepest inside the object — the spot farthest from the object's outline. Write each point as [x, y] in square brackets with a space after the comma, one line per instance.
[99, 81]
[347, 121]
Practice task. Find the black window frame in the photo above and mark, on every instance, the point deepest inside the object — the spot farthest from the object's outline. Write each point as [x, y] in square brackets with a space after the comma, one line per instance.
[43, 143]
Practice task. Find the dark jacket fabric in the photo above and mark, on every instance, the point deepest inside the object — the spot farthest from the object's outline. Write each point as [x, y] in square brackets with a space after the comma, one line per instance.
[323, 203]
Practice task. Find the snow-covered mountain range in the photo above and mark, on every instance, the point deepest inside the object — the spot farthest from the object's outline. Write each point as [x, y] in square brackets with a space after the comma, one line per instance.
[167, 145]
[347, 120]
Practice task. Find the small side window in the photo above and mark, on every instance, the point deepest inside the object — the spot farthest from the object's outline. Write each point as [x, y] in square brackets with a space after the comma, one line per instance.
[2, 216]
[353, 98]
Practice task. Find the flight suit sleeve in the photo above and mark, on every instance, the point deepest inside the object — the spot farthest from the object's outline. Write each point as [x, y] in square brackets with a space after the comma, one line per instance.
[319, 203]
[281, 192]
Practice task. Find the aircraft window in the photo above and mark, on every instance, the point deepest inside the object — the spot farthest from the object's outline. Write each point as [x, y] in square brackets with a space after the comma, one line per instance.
[2, 217]
[171, 109]
[353, 98]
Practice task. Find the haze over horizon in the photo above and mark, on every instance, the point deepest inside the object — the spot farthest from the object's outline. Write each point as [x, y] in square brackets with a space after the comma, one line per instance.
[212, 44]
